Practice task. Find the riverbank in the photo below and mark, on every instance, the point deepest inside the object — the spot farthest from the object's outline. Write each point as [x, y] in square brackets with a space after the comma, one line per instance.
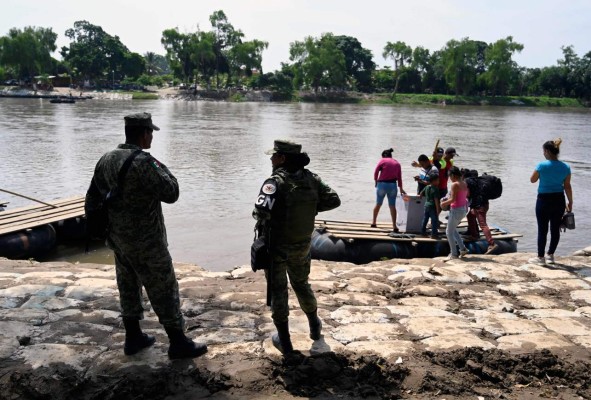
[302, 96]
[479, 327]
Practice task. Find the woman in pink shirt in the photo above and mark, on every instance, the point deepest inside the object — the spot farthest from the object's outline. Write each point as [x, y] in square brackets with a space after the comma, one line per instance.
[458, 208]
[387, 176]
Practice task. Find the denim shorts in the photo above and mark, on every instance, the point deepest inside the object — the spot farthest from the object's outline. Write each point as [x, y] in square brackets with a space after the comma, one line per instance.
[384, 189]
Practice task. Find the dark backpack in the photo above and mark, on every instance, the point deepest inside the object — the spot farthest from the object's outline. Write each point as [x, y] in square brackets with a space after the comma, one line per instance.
[490, 186]
[97, 216]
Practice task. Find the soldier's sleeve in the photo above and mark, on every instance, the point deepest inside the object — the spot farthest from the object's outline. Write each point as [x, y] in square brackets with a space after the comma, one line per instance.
[158, 178]
[94, 197]
[328, 199]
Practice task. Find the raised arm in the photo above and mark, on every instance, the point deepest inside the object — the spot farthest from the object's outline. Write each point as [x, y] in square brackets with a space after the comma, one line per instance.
[569, 193]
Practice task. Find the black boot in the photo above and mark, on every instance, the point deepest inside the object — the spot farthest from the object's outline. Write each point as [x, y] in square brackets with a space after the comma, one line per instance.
[183, 347]
[281, 339]
[315, 325]
[135, 340]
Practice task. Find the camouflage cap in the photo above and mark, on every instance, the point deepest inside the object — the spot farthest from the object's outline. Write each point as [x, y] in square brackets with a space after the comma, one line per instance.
[140, 119]
[285, 147]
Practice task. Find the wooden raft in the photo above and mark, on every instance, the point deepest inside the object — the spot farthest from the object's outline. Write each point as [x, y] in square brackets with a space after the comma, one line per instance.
[363, 230]
[32, 216]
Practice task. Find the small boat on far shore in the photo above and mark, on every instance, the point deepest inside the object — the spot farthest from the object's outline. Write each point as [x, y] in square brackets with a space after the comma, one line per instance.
[66, 100]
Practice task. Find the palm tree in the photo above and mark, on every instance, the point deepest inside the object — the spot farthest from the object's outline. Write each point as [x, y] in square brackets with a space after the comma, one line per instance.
[151, 63]
[400, 52]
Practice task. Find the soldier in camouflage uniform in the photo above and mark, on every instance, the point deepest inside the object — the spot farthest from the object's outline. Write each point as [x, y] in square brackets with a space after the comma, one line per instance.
[137, 236]
[285, 210]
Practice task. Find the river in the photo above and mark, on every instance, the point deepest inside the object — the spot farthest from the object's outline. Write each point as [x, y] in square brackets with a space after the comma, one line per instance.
[216, 150]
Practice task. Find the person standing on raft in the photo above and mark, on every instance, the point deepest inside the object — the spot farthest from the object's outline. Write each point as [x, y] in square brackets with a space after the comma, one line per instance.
[387, 175]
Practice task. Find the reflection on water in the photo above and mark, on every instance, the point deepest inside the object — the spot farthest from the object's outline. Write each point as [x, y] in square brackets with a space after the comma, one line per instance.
[216, 150]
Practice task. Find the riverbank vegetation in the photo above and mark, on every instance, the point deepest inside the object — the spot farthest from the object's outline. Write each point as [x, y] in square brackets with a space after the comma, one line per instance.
[464, 71]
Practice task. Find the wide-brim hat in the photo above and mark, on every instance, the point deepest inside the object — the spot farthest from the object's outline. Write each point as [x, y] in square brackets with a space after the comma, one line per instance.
[285, 147]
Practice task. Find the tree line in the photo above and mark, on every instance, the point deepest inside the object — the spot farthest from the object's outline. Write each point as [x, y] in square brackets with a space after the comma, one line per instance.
[221, 57]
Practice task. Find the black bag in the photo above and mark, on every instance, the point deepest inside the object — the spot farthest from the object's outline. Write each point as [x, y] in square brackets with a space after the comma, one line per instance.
[97, 216]
[490, 186]
[260, 256]
[568, 221]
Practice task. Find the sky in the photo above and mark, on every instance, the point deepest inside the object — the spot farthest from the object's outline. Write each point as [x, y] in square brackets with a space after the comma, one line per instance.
[542, 26]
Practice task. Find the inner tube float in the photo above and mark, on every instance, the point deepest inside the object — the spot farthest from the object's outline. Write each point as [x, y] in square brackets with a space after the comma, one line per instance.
[28, 243]
[361, 251]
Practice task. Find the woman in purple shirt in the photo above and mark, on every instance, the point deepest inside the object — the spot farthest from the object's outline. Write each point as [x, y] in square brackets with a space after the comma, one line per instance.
[387, 176]
[554, 177]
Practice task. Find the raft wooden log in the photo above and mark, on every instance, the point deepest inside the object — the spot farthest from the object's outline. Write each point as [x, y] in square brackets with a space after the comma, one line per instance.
[30, 224]
[37, 216]
[36, 207]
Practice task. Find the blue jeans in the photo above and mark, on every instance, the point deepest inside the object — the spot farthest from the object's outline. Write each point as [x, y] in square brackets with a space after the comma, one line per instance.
[430, 213]
[453, 236]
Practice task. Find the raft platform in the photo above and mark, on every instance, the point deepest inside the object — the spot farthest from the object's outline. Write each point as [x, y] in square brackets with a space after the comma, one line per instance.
[33, 230]
[358, 242]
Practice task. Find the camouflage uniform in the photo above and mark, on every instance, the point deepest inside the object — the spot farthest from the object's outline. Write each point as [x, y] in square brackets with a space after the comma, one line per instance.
[137, 233]
[285, 210]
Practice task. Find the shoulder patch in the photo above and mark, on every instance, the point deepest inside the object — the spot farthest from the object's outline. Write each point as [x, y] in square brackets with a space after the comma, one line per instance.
[269, 187]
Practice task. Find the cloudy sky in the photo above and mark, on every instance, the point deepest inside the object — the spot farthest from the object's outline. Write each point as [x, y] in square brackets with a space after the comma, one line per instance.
[543, 26]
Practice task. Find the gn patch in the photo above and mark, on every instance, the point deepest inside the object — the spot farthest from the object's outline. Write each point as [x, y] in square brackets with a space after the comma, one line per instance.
[266, 199]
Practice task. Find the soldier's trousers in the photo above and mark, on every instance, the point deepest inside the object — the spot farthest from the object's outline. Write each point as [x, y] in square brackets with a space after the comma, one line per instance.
[155, 272]
[292, 260]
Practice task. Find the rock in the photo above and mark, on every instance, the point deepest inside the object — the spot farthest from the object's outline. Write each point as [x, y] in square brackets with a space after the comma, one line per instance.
[366, 332]
[354, 314]
[454, 341]
[386, 348]
[533, 341]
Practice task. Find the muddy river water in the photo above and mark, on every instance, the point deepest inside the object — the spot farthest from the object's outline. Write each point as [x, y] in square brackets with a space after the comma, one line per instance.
[216, 150]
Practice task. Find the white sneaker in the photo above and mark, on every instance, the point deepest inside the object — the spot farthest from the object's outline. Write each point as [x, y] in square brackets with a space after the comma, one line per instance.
[451, 257]
[537, 261]
[550, 258]
[463, 253]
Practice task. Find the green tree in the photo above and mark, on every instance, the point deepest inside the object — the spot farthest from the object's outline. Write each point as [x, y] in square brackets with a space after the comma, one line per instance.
[156, 64]
[552, 81]
[179, 51]
[28, 51]
[95, 54]
[460, 61]
[384, 80]
[225, 38]
[501, 69]
[583, 73]
[400, 53]
[358, 62]
[203, 55]
[243, 57]
[318, 63]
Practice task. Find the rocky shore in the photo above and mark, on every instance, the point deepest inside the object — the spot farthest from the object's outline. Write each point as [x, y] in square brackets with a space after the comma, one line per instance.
[482, 327]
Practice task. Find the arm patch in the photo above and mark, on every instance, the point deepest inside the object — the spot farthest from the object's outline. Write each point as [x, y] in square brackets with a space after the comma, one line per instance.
[267, 195]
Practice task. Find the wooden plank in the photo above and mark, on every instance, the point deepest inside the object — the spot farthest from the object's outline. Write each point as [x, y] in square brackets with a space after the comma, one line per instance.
[41, 220]
[415, 239]
[29, 225]
[338, 232]
[40, 215]
[39, 207]
[370, 237]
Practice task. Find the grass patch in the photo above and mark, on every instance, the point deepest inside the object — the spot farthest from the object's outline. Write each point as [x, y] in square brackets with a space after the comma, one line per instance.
[236, 98]
[144, 96]
[440, 99]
